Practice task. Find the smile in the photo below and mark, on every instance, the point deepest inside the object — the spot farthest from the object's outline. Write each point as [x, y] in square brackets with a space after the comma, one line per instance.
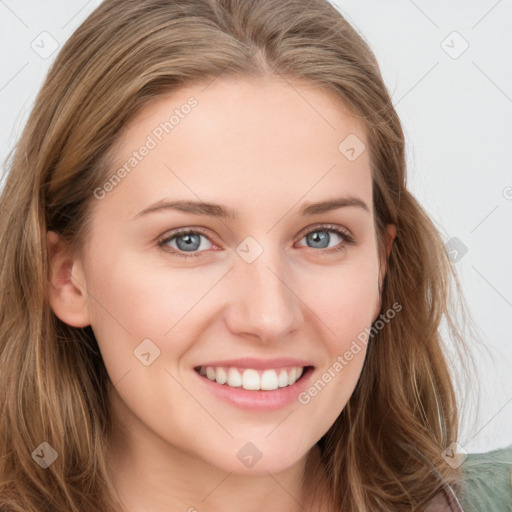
[252, 379]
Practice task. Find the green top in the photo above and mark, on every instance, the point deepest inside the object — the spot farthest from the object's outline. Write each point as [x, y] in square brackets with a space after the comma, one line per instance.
[487, 482]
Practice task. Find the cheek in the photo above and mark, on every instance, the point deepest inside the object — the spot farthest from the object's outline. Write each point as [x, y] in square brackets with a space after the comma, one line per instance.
[132, 301]
[142, 299]
[345, 298]
[345, 301]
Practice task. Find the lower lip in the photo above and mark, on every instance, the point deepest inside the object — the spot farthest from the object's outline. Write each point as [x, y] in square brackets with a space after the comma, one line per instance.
[259, 400]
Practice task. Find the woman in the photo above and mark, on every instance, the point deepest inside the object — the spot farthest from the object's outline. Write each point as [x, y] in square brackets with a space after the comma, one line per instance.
[218, 292]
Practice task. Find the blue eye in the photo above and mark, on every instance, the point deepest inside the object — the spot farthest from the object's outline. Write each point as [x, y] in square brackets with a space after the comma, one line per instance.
[322, 236]
[188, 241]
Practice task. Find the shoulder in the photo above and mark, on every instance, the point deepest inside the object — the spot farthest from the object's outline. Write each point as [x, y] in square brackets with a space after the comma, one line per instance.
[487, 481]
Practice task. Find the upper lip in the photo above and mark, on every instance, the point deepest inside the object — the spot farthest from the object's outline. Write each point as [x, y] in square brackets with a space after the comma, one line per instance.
[258, 364]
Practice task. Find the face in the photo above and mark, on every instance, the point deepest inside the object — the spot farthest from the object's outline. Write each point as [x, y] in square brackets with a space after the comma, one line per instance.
[244, 278]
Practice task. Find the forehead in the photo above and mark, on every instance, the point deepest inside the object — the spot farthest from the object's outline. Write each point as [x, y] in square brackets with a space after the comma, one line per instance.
[244, 142]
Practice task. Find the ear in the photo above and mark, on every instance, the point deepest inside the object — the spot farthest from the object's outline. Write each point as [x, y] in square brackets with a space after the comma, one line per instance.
[389, 237]
[66, 283]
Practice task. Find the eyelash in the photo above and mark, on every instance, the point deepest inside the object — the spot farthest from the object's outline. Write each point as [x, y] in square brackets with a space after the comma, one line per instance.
[347, 239]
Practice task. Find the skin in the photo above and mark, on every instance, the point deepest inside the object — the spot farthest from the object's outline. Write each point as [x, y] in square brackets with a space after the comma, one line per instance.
[262, 148]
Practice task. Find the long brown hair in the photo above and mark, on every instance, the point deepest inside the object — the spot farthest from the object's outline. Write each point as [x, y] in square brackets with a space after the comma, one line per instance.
[388, 441]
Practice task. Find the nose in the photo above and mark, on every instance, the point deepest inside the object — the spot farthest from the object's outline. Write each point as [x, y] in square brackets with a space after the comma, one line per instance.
[263, 304]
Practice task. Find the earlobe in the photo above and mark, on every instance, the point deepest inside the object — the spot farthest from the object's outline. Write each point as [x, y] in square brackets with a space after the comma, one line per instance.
[66, 292]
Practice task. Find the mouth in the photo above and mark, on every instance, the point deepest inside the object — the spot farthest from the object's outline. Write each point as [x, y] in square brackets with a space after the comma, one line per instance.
[252, 379]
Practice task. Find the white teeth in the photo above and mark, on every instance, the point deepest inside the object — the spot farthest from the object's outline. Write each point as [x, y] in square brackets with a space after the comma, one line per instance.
[283, 379]
[251, 379]
[234, 378]
[269, 380]
[220, 376]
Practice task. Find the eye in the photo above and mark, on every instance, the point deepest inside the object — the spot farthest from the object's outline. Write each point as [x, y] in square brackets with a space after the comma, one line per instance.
[186, 241]
[321, 236]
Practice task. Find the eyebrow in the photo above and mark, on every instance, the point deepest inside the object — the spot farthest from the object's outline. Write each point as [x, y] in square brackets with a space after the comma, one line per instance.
[219, 211]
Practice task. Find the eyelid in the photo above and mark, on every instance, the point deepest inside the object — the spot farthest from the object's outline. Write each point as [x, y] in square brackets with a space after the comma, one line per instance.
[167, 237]
[328, 227]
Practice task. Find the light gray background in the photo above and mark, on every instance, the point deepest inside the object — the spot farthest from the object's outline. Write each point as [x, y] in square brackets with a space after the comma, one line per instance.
[456, 109]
